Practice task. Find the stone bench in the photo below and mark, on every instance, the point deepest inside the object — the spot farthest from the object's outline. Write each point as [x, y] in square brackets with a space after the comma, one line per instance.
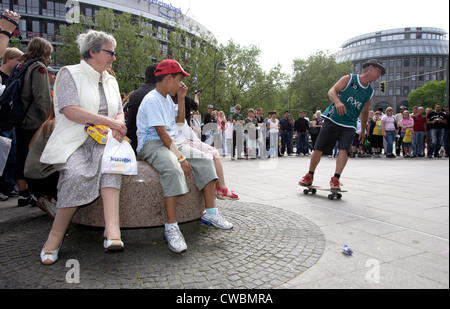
[142, 203]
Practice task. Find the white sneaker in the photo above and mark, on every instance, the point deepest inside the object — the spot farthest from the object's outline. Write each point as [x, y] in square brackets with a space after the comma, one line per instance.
[175, 239]
[216, 220]
[3, 197]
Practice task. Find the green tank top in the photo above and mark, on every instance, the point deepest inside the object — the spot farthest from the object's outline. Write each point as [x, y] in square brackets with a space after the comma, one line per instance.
[355, 96]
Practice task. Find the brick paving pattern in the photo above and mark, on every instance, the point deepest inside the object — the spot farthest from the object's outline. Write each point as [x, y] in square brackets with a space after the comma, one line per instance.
[267, 248]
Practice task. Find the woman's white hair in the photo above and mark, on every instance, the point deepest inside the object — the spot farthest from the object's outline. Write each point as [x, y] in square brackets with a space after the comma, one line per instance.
[93, 41]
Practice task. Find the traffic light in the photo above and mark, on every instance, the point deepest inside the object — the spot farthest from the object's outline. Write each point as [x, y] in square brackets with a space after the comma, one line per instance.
[383, 87]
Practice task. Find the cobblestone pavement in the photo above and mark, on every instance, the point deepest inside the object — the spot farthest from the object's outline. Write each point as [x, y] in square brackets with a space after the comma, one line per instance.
[267, 248]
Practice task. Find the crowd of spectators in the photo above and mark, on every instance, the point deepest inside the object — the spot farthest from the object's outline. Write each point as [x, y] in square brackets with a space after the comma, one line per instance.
[417, 133]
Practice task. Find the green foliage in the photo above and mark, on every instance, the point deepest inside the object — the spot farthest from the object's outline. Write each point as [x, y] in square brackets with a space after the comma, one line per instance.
[135, 45]
[314, 77]
[428, 95]
[244, 82]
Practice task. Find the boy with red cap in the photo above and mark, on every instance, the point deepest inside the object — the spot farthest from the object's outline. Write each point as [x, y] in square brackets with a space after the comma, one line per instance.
[157, 121]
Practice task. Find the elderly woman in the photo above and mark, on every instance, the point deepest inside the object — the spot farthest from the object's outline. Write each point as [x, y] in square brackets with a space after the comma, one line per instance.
[85, 93]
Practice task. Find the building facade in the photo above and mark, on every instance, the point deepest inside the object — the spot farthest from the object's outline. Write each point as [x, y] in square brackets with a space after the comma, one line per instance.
[42, 18]
[412, 57]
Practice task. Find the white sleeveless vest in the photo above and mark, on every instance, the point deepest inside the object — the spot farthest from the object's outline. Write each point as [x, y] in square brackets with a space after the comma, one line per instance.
[68, 136]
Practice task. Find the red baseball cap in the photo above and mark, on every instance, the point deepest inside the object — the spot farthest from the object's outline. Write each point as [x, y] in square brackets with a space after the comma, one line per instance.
[169, 66]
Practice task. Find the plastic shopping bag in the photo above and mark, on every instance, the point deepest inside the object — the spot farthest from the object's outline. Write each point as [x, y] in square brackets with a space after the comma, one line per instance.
[118, 158]
[408, 136]
[5, 147]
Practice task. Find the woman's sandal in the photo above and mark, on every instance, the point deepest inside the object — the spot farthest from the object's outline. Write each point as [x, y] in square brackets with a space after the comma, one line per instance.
[49, 257]
[113, 246]
[226, 194]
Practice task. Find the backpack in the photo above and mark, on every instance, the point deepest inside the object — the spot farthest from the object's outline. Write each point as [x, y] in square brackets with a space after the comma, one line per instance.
[12, 111]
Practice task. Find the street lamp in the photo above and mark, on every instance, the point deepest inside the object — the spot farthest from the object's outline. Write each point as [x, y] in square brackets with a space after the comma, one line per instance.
[221, 67]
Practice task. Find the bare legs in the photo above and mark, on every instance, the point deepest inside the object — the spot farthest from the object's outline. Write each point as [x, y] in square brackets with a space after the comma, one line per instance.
[341, 161]
[219, 171]
[171, 202]
[64, 216]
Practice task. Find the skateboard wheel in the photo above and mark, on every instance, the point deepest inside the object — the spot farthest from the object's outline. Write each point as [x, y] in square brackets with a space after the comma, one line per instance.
[305, 192]
[314, 191]
[331, 197]
[339, 196]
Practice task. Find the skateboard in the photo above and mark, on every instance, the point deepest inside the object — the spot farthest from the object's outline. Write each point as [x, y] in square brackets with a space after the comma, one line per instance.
[335, 194]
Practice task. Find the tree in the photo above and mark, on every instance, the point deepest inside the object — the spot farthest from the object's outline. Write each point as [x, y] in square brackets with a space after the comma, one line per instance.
[314, 77]
[243, 83]
[135, 49]
[428, 95]
[246, 83]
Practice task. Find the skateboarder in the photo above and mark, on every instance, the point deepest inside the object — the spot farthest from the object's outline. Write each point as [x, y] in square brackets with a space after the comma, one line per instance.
[350, 98]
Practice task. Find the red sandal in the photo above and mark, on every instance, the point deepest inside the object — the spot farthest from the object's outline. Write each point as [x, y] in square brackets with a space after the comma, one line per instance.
[226, 194]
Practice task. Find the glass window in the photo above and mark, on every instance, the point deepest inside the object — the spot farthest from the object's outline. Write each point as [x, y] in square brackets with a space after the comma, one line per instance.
[391, 63]
[391, 91]
[398, 90]
[33, 7]
[405, 90]
[48, 8]
[20, 6]
[421, 77]
[434, 63]
[421, 61]
[414, 62]
[50, 28]
[36, 26]
[4, 6]
[399, 62]
[406, 63]
[60, 10]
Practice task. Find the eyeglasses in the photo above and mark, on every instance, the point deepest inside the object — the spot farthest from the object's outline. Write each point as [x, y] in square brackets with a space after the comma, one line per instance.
[113, 54]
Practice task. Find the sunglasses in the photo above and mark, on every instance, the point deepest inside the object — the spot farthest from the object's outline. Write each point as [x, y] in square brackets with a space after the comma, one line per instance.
[113, 54]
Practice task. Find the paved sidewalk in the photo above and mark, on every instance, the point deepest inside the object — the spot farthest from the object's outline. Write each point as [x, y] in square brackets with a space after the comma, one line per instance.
[395, 218]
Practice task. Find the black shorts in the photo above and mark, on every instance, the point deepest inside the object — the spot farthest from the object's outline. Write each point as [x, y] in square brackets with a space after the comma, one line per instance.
[332, 133]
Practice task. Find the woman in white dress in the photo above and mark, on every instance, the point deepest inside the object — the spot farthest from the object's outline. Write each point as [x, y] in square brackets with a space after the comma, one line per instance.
[85, 94]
